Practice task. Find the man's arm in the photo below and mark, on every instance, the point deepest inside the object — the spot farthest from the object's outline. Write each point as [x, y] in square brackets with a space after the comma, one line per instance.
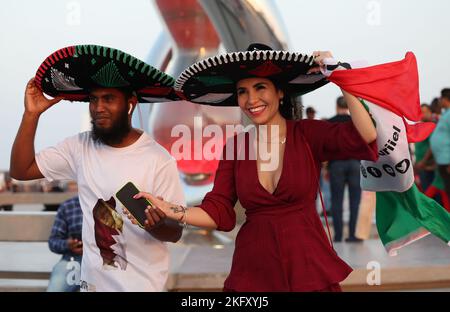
[57, 241]
[23, 164]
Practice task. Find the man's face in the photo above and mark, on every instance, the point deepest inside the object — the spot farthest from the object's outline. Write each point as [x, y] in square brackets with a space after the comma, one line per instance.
[109, 115]
[445, 103]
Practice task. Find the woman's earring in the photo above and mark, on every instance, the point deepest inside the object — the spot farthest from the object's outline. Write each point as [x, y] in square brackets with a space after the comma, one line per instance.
[281, 102]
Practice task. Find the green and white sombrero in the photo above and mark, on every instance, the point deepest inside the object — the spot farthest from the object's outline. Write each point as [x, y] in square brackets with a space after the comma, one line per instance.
[213, 80]
[73, 71]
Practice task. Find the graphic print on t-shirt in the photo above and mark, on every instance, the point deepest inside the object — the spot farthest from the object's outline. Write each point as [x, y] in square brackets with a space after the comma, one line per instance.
[108, 234]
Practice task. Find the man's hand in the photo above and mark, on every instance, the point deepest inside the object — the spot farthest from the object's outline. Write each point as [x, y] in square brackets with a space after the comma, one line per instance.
[155, 216]
[157, 223]
[75, 246]
[35, 101]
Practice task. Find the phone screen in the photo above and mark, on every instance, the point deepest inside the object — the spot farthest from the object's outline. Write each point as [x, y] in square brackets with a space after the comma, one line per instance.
[135, 206]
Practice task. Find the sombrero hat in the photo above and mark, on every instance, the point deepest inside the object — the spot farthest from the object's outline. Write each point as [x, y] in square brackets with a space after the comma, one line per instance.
[212, 81]
[73, 71]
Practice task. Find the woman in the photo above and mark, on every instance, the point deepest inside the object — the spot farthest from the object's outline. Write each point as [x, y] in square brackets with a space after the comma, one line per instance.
[282, 246]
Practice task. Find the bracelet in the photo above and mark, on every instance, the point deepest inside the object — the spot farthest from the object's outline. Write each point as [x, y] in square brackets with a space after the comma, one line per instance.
[185, 218]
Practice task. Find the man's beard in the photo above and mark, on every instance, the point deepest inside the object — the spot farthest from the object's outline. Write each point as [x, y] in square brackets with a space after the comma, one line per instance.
[113, 135]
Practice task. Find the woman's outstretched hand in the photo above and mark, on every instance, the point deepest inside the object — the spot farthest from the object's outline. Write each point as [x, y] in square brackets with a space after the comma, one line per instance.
[159, 223]
[319, 57]
[155, 214]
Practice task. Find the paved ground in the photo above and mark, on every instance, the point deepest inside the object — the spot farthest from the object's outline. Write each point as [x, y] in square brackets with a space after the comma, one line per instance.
[202, 267]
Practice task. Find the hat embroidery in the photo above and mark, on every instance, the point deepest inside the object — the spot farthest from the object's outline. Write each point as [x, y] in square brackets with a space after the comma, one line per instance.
[109, 76]
[63, 82]
[159, 91]
[213, 97]
[265, 69]
[214, 80]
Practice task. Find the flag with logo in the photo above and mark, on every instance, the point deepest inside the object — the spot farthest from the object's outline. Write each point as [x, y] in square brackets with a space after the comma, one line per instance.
[390, 93]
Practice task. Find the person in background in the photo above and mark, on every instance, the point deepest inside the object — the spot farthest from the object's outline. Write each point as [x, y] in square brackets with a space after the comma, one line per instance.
[65, 239]
[342, 173]
[440, 141]
[424, 165]
[310, 113]
[436, 110]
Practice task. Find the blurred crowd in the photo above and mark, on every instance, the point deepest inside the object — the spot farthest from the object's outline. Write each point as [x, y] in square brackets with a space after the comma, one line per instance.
[8, 184]
[431, 159]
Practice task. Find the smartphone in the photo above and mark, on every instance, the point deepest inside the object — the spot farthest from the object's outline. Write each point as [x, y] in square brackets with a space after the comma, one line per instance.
[135, 206]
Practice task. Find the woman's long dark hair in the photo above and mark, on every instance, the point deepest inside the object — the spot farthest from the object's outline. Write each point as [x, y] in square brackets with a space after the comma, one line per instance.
[292, 107]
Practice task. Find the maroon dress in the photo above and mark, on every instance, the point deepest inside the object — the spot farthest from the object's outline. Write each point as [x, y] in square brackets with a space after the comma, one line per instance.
[282, 246]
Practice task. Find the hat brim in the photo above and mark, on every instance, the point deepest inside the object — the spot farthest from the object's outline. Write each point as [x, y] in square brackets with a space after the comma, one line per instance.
[72, 72]
[213, 81]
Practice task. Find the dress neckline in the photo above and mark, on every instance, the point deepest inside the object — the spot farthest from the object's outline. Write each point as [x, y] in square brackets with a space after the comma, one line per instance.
[285, 154]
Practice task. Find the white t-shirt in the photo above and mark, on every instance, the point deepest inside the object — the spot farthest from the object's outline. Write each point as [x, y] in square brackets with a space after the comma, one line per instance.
[117, 255]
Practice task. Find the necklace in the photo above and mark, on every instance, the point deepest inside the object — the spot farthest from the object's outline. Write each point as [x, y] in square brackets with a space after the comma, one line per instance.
[264, 134]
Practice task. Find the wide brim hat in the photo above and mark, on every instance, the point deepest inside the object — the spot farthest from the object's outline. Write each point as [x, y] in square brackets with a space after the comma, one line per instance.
[213, 80]
[73, 71]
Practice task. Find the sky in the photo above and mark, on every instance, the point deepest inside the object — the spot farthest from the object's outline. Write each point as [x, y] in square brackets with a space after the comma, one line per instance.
[377, 31]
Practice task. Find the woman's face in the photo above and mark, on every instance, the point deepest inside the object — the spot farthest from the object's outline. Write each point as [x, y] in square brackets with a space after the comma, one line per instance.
[259, 99]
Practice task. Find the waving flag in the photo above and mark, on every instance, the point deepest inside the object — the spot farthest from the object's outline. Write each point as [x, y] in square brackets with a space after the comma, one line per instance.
[390, 92]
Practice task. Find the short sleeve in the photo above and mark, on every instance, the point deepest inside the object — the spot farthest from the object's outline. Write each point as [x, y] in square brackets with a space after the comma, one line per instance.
[168, 184]
[220, 201]
[59, 162]
[337, 141]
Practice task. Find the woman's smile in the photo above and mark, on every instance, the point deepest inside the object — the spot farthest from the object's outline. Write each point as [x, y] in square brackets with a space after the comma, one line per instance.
[257, 110]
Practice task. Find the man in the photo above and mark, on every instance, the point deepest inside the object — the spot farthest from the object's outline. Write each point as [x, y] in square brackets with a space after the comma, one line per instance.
[65, 239]
[344, 172]
[117, 255]
[440, 141]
